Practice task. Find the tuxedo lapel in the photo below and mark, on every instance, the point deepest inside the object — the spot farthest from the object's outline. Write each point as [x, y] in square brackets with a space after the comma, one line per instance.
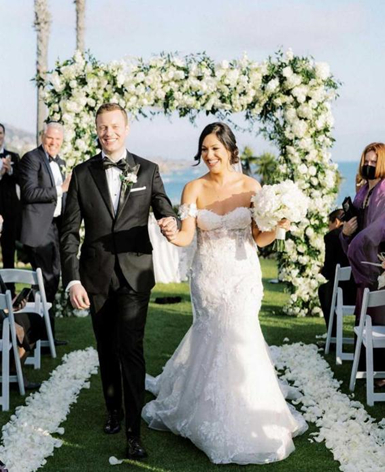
[99, 175]
[45, 161]
[131, 162]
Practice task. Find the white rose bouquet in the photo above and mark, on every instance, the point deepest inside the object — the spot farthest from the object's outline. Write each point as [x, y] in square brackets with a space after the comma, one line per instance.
[273, 203]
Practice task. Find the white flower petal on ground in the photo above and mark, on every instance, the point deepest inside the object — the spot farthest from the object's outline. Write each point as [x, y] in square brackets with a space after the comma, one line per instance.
[355, 439]
[27, 438]
[114, 461]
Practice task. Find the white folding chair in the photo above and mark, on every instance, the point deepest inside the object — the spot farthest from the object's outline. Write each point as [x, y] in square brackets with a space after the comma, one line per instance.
[338, 310]
[40, 305]
[7, 345]
[372, 337]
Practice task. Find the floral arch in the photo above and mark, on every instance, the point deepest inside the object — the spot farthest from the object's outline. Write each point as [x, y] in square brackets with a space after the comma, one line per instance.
[290, 96]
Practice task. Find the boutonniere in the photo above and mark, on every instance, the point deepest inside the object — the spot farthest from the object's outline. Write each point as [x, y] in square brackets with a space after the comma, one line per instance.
[129, 177]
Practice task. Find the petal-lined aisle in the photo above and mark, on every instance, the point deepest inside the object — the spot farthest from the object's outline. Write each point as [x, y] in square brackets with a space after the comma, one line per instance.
[27, 438]
[355, 439]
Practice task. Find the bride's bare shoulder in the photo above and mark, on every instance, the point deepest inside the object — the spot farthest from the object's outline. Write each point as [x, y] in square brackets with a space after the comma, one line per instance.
[193, 187]
[251, 184]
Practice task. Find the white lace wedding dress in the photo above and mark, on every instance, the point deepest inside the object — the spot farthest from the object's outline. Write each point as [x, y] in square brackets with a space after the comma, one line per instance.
[220, 389]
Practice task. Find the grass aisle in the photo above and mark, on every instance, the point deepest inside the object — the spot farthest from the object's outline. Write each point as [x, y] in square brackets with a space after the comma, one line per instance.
[85, 446]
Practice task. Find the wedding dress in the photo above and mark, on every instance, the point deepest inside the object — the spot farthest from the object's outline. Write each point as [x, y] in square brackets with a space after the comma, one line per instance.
[220, 389]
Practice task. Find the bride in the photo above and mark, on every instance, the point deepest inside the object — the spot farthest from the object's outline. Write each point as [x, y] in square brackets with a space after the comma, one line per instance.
[220, 389]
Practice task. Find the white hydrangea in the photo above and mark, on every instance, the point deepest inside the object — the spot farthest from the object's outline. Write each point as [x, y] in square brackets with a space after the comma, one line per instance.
[276, 202]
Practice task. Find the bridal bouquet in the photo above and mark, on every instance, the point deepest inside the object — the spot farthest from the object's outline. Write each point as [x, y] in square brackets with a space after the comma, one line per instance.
[276, 202]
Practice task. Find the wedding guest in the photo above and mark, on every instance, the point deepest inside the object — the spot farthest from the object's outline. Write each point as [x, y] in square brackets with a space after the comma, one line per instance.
[10, 205]
[29, 329]
[43, 191]
[334, 254]
[362, 236]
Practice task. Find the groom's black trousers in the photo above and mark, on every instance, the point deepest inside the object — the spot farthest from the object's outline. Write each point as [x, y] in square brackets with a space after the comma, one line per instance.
[119, 320]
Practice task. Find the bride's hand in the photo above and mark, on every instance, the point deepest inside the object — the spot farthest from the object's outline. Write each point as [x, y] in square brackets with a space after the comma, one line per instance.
[284, 224]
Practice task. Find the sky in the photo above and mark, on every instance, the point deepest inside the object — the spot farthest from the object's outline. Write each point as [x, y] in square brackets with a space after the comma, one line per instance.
[349, 35]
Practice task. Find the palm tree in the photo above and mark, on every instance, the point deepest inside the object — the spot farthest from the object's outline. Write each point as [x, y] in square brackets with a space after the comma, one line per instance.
[264, 166]
[42, 25]
[80, 24]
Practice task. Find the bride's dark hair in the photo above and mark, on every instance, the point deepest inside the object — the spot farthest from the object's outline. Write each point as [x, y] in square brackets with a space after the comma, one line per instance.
[225, 136]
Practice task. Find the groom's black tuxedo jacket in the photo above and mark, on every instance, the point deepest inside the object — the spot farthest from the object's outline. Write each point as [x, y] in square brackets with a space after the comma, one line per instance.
[108, 236]
[38, 195]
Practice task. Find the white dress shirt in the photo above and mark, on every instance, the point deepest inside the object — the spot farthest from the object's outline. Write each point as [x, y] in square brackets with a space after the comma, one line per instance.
[113, 181]
[58, 179]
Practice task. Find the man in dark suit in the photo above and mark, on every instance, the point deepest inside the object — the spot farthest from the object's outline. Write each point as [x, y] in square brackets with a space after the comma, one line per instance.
[112, 193]
[43, 191]
[10, 205]
[334, 254]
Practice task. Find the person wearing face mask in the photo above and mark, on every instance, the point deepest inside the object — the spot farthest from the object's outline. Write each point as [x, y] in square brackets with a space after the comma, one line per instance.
[363, 237]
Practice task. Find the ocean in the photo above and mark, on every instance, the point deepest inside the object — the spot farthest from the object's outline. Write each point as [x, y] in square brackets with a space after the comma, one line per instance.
[175, 181]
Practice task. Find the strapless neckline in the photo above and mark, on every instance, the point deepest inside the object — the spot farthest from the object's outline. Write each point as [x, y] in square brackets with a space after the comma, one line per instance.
[224, 214]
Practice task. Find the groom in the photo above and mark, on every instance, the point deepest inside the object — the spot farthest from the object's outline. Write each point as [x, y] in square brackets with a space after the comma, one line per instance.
[112, 193]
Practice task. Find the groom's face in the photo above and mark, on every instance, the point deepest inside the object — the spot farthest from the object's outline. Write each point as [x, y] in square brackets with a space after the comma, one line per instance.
[112, 131]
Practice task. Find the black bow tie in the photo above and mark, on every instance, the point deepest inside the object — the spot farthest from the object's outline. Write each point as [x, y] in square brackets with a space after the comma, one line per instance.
[122, 164]
[51, 159]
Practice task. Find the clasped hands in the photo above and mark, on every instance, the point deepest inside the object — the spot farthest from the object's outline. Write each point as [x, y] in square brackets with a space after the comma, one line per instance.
[7, 165]
[350, 227]
[169, 228]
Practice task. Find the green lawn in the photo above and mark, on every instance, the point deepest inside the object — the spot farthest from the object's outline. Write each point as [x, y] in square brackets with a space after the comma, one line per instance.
[87, 448]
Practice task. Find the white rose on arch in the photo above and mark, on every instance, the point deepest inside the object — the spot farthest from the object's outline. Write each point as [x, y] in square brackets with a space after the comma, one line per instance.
[299, 104]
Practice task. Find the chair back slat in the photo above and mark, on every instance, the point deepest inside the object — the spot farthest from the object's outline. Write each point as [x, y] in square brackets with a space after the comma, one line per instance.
[344, 274]
[20, 276]
[376, 298]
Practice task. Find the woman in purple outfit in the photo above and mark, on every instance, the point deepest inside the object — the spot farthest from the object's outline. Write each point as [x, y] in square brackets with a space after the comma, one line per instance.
[363, 236]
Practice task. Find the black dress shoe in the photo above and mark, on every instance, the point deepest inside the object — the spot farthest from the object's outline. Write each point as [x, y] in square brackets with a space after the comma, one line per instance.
[27, 386]
[135, 449]
[60, 343]
[31, 385]
[112, 425]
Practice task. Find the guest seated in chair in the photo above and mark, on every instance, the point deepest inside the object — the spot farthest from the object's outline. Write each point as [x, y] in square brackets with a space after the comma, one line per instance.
[334, 254]
[363, 235]
[29, 329]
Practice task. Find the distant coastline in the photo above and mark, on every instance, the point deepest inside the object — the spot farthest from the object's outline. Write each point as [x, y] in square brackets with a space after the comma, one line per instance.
[177, 172]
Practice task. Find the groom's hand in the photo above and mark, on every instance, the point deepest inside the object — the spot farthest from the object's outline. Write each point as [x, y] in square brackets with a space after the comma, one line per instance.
[78, 297]
[168, 227]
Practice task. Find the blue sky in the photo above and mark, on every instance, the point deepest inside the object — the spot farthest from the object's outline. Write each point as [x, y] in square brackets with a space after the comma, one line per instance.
[349, 35]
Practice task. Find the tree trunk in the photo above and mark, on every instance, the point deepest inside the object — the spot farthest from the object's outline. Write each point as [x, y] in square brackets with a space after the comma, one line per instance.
[80, 24]
[42, 25]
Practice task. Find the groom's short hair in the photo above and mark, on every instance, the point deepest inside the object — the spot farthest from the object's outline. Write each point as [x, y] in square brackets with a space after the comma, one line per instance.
[106, 107]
